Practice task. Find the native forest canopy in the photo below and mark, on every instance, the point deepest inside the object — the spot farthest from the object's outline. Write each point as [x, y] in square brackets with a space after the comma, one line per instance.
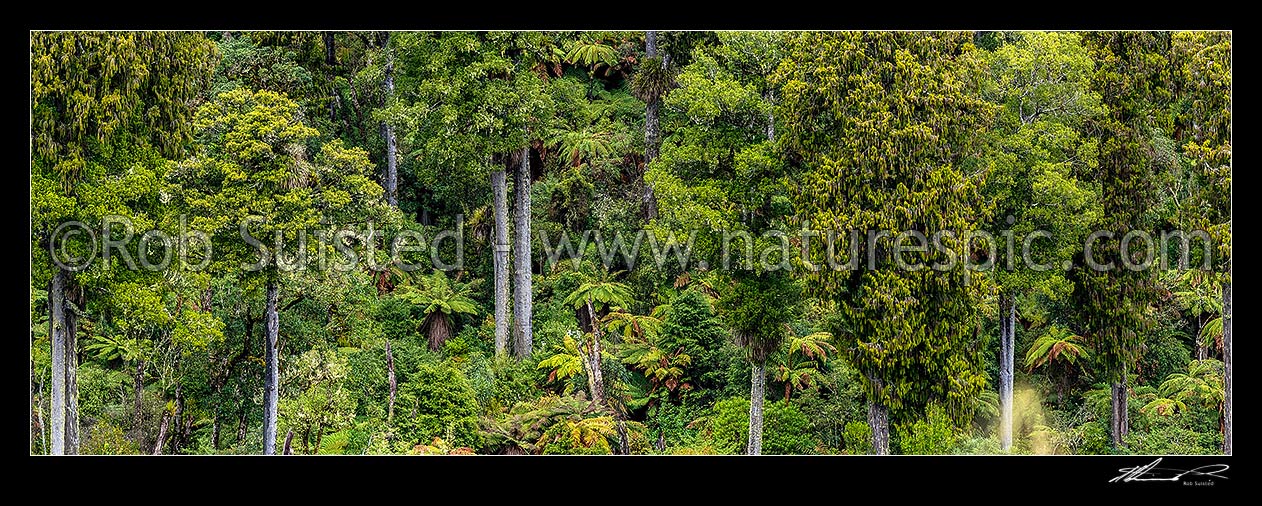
[524, 243]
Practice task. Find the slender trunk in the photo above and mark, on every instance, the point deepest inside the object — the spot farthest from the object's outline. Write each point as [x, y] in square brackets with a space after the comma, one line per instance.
[72, 369]
[1202, 351]
[652, 130]
[624, 443]
[179, 418]
[241, 425]
[271, 382]
[757, 392]
[138, 414]
[289, 443]
[595, 376]
[162, 432]
[1227, 366]
[499, 191]
[770, 98]
[319, 442]
[523, 335]
[1007, 317]
[330, 59]
[39, 416]
[57, 329]
[1120, 419]
[215, 428]
[394, 384]
[387, 134]
[1060, 389]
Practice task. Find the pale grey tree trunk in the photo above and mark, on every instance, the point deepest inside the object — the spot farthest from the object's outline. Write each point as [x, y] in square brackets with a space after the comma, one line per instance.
[757, 392]
[1227, 365]
[595, 375]
[215, 428]
[271, 383]
[1007, 317]
[1121, 416]
[523, 335]
[72, 370]
[499, 192]
[57, 329]
[387, 133]
[652, 129]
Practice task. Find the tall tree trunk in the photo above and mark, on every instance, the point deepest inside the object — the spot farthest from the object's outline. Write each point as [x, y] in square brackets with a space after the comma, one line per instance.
[523, 335]
[179, 418]
[1227, 364]
[215, 428]
[138, 385]
[1121, 416]
[387, 133]
[879, 420]
[241, 425]
[330, 60]
[1007, 318]
[1202, 351]
[595, 375]
[499, 191]
[757, 392]
[162, 432]
[652, 131]
[57, 329]
[75, 297]
[390, 378]
[271, 382]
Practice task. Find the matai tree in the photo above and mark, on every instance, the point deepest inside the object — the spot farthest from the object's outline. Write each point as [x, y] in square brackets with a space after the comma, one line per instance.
[885, 129]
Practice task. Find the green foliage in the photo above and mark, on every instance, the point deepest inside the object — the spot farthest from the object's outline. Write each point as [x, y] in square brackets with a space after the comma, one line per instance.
[440, 301]
[1174, 436]
[108, 439]
[856, 108]
[759, 133]
[1057, 345]
[318, 402]
[756, 309]
[785, 428]
[933, 435]
[437, 401]
[858, 437]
